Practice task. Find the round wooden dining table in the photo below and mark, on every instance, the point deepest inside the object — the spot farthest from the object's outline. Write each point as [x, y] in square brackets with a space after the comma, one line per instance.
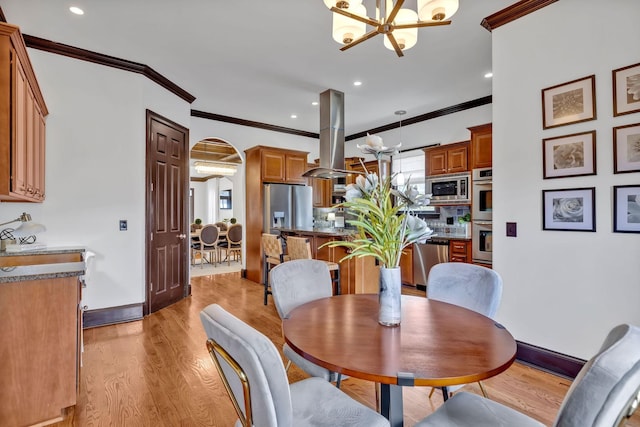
[437, 344]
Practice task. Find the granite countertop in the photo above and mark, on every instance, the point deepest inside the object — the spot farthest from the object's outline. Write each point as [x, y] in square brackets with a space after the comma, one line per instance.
[41, 268]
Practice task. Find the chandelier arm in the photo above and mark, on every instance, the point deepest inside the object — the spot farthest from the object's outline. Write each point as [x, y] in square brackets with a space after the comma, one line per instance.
[364, 19]
[360, 40]
[422, 24]
[394, 11]
[395, 45]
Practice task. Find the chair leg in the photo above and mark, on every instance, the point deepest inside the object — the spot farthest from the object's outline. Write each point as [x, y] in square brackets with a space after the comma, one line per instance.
[433, 389]
[286, 368]
[445, 393]
[265, 280]
[339, 380]
[484, 392]
[377, 389]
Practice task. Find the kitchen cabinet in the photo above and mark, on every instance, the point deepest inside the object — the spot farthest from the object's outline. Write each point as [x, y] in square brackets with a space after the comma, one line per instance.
[445, 159]
[460, 250]
[406, 266]
[353, 164]
[41, 330]
[266, 165]
[322, 189]
[481, 146]
[283, 166]
[22, 122]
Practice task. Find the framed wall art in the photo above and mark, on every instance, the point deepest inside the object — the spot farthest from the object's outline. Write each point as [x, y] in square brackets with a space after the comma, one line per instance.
[626, 208]
[570, 102]
[569, 209]
[569, 155]
[626, 90]
[626, 148]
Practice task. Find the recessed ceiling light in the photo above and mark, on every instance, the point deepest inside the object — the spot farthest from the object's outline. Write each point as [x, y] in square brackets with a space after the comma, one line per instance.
[76, 10]
[357, 83]
[294, 116]
[315, 103]
[488, 75]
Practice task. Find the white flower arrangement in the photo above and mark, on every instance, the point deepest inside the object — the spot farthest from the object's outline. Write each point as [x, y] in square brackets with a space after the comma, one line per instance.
[385, 227]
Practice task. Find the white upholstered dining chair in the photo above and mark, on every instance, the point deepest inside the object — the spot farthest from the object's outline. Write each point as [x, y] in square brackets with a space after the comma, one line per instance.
[253, 375]
[605, 393]
[294, 283]
[470, 286]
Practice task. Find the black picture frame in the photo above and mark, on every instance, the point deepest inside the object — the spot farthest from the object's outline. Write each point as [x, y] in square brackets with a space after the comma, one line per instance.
[626, 208]
[571, 209]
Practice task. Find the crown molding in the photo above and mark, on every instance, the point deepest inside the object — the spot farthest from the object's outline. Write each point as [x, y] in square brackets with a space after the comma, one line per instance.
[249, 123]
[513, 12]
[108, 61]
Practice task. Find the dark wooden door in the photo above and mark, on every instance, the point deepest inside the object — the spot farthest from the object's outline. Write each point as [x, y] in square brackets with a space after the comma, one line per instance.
[167, 209]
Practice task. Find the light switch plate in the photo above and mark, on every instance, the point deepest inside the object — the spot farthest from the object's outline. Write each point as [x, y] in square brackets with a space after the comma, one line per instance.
[512, 229]
[123, 225]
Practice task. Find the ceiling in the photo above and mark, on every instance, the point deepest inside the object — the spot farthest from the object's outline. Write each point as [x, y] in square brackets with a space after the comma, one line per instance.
[264, 61]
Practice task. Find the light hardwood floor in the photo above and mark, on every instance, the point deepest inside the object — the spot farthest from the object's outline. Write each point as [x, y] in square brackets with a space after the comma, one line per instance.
[157, 372]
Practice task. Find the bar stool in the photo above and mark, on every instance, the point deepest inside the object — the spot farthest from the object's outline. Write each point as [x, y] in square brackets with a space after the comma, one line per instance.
[300, 248]
[272, 255]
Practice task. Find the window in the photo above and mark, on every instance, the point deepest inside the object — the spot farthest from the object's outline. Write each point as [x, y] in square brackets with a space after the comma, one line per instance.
[225, 199]
[411, 164]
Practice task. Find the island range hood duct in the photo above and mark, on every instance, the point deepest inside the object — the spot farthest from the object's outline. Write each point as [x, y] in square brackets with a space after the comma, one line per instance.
[331, 137]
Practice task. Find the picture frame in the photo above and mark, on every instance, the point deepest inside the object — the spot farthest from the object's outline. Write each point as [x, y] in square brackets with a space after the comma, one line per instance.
[568, 103]
[626, 90]
[626, 209]
[569, 155]
[571, 209]
[626, 148]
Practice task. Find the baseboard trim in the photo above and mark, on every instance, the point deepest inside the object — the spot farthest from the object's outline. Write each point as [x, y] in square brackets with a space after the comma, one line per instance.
[112, 315]
[548, 360]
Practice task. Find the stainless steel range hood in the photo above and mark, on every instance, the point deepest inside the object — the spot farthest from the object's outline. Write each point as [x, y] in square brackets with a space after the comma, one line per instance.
[331, 137]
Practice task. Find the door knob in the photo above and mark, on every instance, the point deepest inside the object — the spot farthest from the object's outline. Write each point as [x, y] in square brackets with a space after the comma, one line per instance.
[182, 236]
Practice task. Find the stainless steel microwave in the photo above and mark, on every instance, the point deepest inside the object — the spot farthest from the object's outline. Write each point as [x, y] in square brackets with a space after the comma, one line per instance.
[449, 189]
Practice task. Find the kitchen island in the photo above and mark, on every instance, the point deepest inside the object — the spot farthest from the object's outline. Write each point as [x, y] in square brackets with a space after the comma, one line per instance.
[40, 293]
[358, 275]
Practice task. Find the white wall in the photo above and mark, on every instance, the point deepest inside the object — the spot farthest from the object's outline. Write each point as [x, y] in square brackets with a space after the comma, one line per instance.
[200, 200]
[95, 163]
[563, 290]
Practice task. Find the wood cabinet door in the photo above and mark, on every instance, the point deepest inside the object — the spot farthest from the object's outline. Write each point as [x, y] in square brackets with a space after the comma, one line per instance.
[321, 192]
[22, 105]
[295, 166]
[436, 161]
[481, 146]
[460, 251]
[457, 159]
[273, 166]
[406, 266]
[326, 253]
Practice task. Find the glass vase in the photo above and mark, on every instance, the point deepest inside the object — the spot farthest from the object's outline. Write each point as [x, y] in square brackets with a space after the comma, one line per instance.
[389, 297]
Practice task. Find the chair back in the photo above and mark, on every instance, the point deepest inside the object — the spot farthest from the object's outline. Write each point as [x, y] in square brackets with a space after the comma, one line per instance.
[470, 286]
[221, 226]
[271, 245]
[258, 360]
[234, 235]
[602, 393]
[209, 235]
[298, 248]
[297, 282]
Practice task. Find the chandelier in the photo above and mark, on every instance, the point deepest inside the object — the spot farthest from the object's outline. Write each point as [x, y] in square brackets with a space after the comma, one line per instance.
[399, 25]
[224, 169]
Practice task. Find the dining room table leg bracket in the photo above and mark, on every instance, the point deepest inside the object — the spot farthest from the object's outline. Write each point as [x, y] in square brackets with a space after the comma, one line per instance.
[406, 379]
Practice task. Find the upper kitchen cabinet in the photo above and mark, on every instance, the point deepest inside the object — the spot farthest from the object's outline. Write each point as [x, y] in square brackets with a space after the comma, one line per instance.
[450, 158]
[481, 139]
[22, 123]
[285, 166]
[322, 189]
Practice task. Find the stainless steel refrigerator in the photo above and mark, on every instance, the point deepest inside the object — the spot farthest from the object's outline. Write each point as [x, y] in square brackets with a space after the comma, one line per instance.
[287, 206]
